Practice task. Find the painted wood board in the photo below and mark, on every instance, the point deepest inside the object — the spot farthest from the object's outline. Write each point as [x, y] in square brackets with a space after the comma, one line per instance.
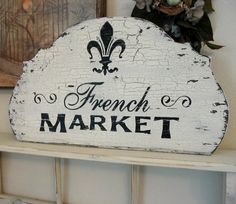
[222, 160]
[120, 83]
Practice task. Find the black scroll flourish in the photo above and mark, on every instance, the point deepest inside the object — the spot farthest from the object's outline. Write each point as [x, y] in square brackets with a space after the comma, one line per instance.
[38, 98]
[167, 102]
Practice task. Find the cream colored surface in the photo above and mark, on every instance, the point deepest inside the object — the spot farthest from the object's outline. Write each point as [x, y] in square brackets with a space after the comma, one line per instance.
[221, 161]
[102, 183]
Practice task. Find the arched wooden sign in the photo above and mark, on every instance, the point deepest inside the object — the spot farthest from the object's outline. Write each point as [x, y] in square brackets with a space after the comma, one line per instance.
[120, 83]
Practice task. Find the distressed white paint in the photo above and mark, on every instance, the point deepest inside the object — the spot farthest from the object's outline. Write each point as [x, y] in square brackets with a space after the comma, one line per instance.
[151, 59]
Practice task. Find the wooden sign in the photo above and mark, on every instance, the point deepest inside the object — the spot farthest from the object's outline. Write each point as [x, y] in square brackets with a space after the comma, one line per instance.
[120, 83]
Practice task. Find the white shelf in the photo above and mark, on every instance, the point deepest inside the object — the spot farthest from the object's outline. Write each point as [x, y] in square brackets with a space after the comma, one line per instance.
[222, 160]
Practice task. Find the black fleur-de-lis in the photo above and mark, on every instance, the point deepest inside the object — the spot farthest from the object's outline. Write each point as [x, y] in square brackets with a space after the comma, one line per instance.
[105, 44]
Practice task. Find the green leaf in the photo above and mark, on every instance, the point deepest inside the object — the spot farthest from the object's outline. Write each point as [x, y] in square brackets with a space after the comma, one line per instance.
[208, 6]
[140, 13]
[213, 46]
[152, 16]
[186, 24]
[204, 28]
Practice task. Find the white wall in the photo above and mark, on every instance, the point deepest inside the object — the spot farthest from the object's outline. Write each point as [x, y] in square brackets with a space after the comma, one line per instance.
[101, 183]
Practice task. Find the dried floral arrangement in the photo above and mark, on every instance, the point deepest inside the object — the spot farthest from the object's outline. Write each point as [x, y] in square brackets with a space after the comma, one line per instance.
[183, 20]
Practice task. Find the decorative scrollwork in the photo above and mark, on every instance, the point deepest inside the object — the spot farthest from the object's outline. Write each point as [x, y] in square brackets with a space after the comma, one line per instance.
[168, 102]
[105, 44]
[38, 98]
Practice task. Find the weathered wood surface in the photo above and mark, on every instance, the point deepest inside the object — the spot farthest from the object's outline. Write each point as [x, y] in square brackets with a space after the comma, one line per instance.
[28, 25]
[120, 83]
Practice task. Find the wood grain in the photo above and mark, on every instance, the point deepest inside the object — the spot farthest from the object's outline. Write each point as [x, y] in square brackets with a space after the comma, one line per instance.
[29, 25]
[101, 8]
